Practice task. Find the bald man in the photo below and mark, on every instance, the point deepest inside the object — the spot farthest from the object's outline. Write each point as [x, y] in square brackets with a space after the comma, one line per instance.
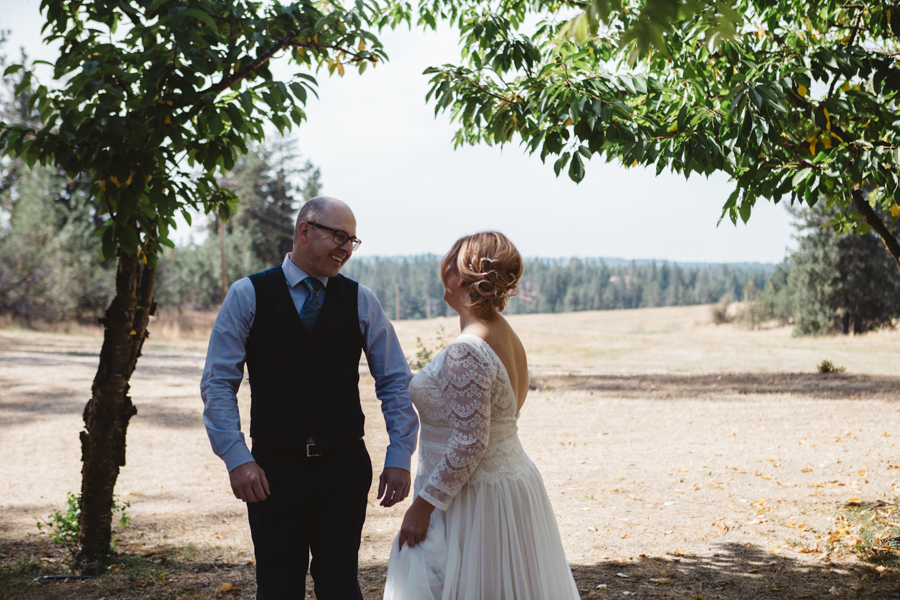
[301, 328]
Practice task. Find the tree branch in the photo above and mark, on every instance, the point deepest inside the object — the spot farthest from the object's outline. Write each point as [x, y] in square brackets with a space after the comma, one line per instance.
[250, 67]
[316, 46]
[865, 209]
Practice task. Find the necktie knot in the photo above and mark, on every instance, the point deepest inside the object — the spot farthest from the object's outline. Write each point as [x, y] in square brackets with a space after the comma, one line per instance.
[313, 285]
[310, 310]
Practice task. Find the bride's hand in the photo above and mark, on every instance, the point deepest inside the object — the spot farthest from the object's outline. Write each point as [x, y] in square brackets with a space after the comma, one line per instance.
[415, 523]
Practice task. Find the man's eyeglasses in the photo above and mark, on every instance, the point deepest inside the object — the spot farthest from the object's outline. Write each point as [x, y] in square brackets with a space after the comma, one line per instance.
[340, 237]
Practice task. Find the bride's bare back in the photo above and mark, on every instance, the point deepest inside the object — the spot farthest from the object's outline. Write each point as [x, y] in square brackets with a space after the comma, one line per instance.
[500, 336]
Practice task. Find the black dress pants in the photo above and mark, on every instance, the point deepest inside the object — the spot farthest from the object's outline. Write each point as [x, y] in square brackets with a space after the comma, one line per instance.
[317, 505]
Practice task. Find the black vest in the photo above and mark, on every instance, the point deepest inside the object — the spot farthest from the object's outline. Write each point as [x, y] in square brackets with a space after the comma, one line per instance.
[303, 382]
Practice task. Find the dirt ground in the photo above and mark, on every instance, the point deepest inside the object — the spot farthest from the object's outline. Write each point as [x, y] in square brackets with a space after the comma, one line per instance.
[683, 460]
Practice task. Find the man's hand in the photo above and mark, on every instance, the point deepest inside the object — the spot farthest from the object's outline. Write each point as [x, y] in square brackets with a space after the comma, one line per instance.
[248, 482]
[393, 484]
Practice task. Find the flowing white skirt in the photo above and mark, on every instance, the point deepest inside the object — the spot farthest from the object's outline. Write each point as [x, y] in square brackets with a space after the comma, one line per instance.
[498, 540]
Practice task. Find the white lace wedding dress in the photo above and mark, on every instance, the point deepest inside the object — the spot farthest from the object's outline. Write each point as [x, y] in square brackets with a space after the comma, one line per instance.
[493, 535]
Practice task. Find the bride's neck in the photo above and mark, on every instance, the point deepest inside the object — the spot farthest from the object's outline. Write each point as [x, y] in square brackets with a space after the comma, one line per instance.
[468, 319]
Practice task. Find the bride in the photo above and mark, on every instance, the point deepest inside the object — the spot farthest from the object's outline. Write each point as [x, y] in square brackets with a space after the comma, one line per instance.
[481, 526]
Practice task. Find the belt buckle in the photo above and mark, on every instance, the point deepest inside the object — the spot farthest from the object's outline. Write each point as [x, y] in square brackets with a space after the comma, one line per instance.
[310, 453]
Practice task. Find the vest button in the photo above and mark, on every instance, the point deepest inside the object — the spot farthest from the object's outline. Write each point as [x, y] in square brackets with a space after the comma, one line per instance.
[327, 329]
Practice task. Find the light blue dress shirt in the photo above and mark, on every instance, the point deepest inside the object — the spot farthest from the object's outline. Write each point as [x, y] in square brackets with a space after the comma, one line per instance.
[226, 355]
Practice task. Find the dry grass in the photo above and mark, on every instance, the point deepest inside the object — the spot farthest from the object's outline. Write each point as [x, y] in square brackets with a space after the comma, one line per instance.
[673, 340]
[713, 457]
[173, 325]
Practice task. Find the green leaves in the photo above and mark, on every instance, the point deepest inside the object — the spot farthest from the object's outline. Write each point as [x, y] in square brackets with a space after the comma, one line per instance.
[153, 101]
[576, 169]
[792, 99]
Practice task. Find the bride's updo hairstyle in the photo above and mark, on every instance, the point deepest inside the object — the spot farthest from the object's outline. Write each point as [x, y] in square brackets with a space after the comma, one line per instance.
[490, 264]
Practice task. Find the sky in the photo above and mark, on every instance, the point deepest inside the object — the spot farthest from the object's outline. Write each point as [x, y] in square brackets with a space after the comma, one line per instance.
[381, 150]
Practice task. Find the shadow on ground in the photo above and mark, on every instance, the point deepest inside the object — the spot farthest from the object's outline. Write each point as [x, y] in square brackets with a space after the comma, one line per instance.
[830, 386]
[28, 406]
[733, 571]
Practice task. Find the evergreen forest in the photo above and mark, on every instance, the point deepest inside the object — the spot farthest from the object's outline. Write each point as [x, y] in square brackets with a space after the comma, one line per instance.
[410, 287]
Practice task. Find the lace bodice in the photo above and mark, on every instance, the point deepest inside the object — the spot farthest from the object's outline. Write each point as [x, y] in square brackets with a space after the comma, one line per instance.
[467, 411]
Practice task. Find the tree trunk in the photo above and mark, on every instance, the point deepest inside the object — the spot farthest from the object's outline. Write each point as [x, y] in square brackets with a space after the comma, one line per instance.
[107, 413]
[865, 209]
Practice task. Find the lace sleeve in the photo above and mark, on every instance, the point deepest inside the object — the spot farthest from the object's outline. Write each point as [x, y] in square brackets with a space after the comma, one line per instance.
[465, 381]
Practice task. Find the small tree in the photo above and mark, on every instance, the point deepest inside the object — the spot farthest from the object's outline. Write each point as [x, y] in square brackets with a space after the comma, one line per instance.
[840, 283]
[153, 100]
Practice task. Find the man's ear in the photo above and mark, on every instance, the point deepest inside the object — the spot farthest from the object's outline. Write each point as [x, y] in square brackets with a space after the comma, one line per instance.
[303, 231]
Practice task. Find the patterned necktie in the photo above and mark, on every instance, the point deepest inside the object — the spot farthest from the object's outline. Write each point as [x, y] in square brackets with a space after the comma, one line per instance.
[311, 305]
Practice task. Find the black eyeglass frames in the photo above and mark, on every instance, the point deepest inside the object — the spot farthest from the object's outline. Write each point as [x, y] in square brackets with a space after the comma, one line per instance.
[340, 237]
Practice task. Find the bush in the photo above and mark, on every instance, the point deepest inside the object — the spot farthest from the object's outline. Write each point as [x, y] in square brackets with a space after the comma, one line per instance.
[720, 314]
[826, 366]
[63, 527]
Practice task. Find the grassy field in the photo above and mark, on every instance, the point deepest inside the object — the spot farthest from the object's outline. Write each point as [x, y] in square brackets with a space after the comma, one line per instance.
[673, 340]
[696, 460]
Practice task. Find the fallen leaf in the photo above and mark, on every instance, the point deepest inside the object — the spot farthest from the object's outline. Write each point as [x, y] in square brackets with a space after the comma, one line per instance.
[622, 575]
[853, 500]
[663, 580]
[224, 587]
[806, 470]
[602, 586]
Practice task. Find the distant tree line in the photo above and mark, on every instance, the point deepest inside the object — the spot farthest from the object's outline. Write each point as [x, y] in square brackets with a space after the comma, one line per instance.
[410, 288]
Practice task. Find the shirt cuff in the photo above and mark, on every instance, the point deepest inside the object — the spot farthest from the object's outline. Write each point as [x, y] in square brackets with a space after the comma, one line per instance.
[396, 458]
[237, 456]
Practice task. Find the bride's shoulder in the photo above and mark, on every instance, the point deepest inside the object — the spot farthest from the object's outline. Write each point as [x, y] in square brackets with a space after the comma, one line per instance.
[468, 346]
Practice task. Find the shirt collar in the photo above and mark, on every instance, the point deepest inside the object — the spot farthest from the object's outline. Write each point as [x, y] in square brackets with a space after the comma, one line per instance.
[294, 274]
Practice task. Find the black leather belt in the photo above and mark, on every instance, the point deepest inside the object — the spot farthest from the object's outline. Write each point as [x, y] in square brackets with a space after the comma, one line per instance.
[309, 450]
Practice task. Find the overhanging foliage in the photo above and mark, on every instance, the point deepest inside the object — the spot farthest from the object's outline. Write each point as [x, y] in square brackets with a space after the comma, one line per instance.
[793, 99]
